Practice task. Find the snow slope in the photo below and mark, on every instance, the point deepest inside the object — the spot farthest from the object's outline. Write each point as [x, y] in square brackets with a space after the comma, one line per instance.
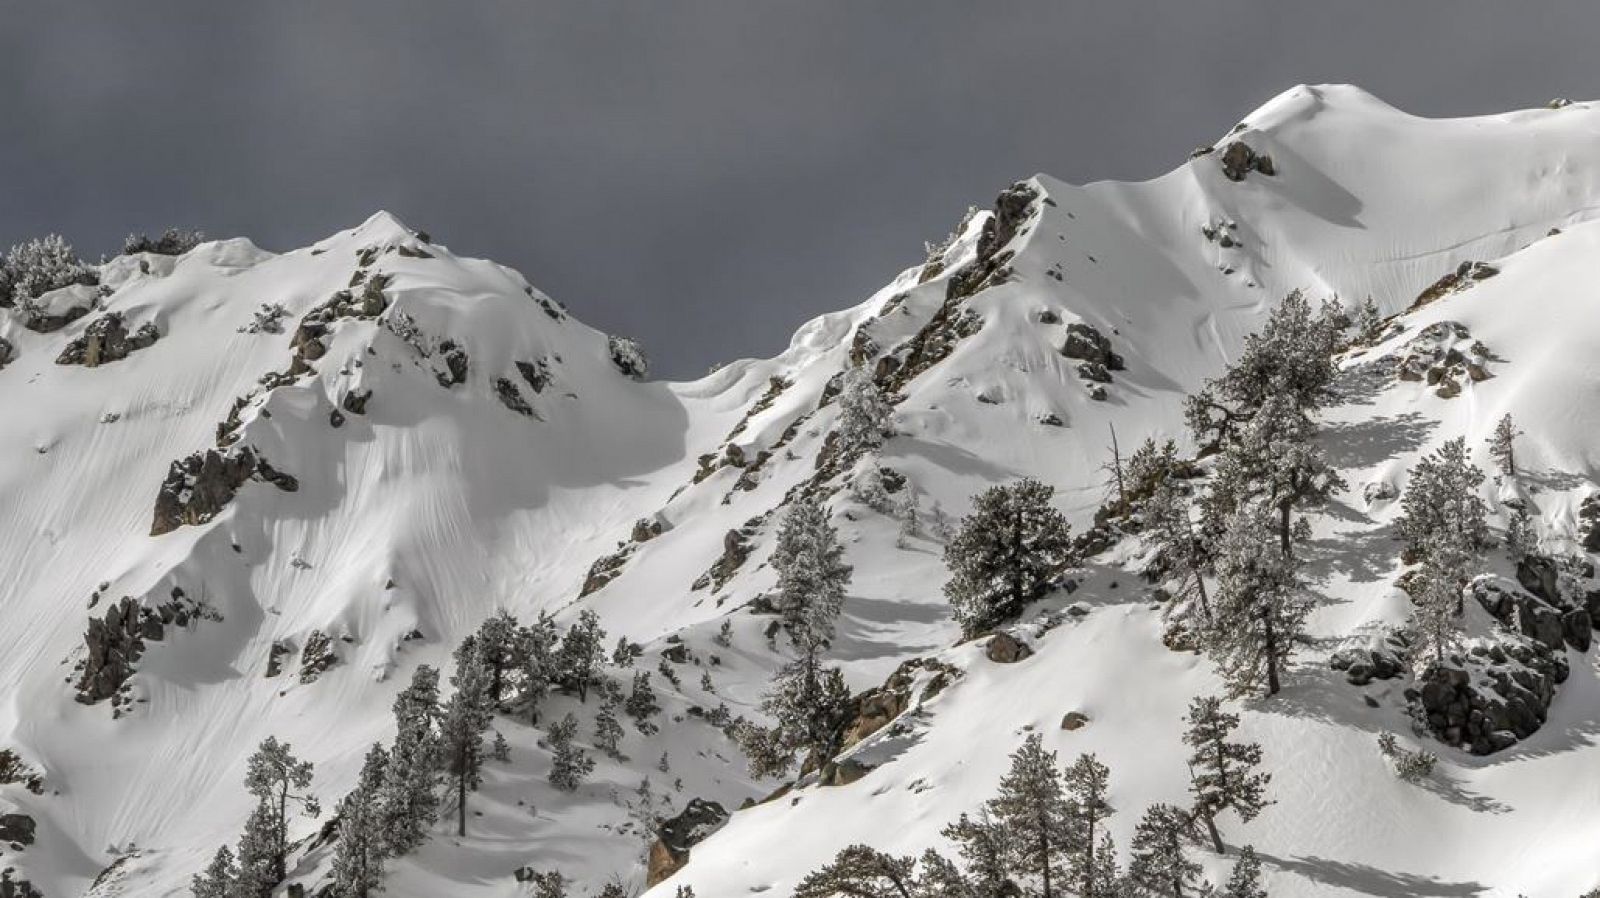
[465, 505]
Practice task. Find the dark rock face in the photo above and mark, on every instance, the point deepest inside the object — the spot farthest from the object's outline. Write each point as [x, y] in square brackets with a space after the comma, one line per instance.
[1542, 613]
[455, 364]
[628, 356]
[1493, 697]
[511, 397]
[199, 487]
[876, 708]
[1589, 514]
[537, 374]
[736, 548]
[1238, 160]
[355, 401]
[114, 643]
[1084, 341]
[1384, 661]
[1465, 275]
[676, 835]
[106, 339]
[1003, 648]
[8, 353]
[279, 651]
[1074, 720]
[16, 829]
[16, 888]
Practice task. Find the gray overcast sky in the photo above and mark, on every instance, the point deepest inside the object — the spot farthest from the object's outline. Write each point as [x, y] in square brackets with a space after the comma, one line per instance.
[702, 175]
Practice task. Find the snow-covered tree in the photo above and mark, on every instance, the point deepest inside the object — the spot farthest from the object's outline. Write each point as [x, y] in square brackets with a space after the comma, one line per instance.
[218, 879]
[985, 849]
[1245, 881]
[1522, 539]
[1159, 866]
[626, 652]
[536, 658]
[607, 731]
[1501, 445]
[1441, 506]
[1086, 782]
[569, 764]
[1259, 609]
[862, 872]
[1436, 592]
[548, 884]
[35, 267]
[812, 577]
[1041, 825]
[409, 802]
[258, 854]
[1369, 322]
[810, 710]
[865, 415]
[497, 646]
[1291, 357]
[467, 716]
[172, 242]
[582, 653]
[641, 704]
[1180, 549]
[277, 778]
[358, 857]
[1222, 772]
[1005, 554]
[1273, 459]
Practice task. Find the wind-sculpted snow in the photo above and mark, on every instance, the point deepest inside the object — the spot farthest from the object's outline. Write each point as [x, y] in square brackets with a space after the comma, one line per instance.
[460, 443]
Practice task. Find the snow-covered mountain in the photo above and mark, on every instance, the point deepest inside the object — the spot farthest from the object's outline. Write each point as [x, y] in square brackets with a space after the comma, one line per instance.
[316, 471]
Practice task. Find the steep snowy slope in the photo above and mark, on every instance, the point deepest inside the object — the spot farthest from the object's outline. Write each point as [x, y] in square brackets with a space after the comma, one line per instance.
[1064, 313]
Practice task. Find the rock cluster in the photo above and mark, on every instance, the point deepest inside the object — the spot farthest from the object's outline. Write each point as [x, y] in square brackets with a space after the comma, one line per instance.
[1384, 660]
[1465, 275]
[455, 364]
[317, 656]
[736, 547]
[508, 394]
[1494, 696]
[16, 888]
[200, 486]
[676, 835]
[1444, 355]
[16, 830]
[115, 642]
[106, 339]
[1238, 160]
[1097, 360]
[628, 356]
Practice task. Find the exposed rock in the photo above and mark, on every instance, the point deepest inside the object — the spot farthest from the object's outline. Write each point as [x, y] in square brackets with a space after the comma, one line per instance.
[676, 835]
[1003, 648]
[1589, 514]
[16, 888]
[1085, 342]
[1465, 275]
[355, 401]
[1382, 660]
[8, 353]
[1443, 354]
[1238, 160]
[736, 547]
[115, 642]
[106, 339]
[628, 356]
[275, 655]
[537, 374]
[605, 569]
[16, 829]
[1074, 720]
[511, 397]
[646, 529]
[1494, 696]
[317, 656]
[1540, 576]
[455, 364]
[876, 708]
[200, 486]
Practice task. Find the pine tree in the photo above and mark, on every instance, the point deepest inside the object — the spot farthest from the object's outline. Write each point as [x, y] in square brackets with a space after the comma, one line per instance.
[359, 855]
[467, 717]
[497, 645]
[626, 652]
[218, 880]
[1159, 865]
[1501, 447]
[1522, 539]
[1436, 591]
[1443, 520]
[548, 884]
[812, 577]
[1222, 773]
[861, 872]
[1292, 356]
[409, 803]
[607, 731]
[865, 416]
[1086, 783]
[535, 655]
[273, 776]
[1273, 460]
[582, 652]
[258, 847]
[984, 847]
[1005, 555]
[1259, 608]
[569, 765]
[1369, 322]
[1037, 817]
[809, 713]
[641, 704]
[1245, 882]
[1180, 549]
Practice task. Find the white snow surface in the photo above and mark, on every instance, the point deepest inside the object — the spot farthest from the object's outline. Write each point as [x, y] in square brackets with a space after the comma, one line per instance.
[440, 505]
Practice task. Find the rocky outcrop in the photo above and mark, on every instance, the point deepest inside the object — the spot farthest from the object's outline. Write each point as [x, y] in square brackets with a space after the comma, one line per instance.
[16, 888]
[1465, 275]
[115, 642]
[355, 401]
[200, 486]
[1540, 610]
[455, 367]
[16, 830]
[1444, 355]
[508, 394]
[106, 339]
[8, 353]
[1097, 360]
[605, 569]
[317, 656]
[736, 547]
[876, 708]
[628, 356]
[1385, 659]
[1491, 697]
[1003, 648]
[537, 374]
[676, 835]
[1238, 160]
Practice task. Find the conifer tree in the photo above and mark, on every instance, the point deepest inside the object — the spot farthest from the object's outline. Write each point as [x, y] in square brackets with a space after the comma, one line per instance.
[1180, 548]
[865, 416]
[582, 652]
[626, 652]
[570, 765]
[1245, 881]
[467, 717]
[275, 777]
[1369, 322]
[359, 855]
[862, 872]
[641, 704]
[1522, 539]
[258, 847]
[812, 577]
[409, 802]
[218, 880]
[1443, 521]
[809, 713]
[1086, 783]
[497, 645]
[1222, 773]
[983, 844]
[536, 657]
[1033, 809]
[607, 731]
[1159, 865]
[1005, 554]
[1501, 447]
[1259, 608]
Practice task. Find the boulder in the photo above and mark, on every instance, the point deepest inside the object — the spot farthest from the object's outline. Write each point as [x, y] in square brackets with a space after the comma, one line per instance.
[106, 339]
[1074, 720]
[1086, 343]
[1003, 648]
[16, 829]
[1539, 575]
[676, 835]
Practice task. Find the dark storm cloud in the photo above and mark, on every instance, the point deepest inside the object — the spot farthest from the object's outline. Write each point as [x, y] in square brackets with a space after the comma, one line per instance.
[704, 175]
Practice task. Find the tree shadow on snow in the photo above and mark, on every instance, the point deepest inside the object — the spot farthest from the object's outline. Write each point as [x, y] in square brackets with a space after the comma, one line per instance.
[1364, 555]
[1363, 444]
[1366, 880]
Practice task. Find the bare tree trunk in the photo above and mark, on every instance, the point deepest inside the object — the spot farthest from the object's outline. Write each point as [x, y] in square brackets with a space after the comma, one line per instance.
[1272, 655]
[461, 805]
[1216, 837]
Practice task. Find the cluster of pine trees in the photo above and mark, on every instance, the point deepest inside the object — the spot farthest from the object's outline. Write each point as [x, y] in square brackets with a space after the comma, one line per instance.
[1044, 833]
[439, 751]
